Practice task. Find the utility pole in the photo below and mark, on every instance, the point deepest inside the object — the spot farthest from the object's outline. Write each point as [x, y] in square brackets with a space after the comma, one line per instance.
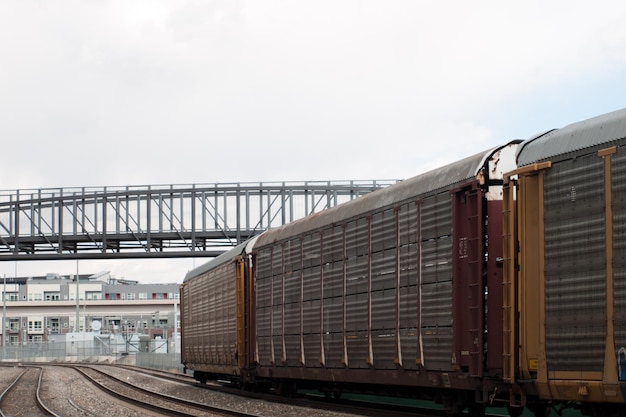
[4, 316]
[77, 326]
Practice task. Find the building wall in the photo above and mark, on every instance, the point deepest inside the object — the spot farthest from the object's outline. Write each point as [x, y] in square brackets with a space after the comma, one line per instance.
[36, 291]
[86, 290]
[38, 309]
[12, 291]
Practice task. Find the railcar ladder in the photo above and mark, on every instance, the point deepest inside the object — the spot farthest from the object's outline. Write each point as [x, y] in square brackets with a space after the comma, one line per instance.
[508, 282]
[475, 290]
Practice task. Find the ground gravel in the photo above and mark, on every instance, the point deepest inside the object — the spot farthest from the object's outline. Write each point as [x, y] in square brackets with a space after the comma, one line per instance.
[69, 394]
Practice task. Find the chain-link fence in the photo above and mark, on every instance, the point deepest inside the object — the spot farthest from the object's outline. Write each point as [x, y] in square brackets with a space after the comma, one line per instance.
[156, 354]
[164, 361]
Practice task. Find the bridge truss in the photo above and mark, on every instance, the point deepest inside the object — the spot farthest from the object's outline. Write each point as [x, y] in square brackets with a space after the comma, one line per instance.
[157, 221]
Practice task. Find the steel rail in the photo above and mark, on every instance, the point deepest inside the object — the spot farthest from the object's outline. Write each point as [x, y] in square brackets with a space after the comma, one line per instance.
[195, 406]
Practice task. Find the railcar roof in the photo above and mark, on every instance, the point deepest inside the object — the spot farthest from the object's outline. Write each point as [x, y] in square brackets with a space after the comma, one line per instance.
[424, 184]
[573, 138]
[217, 261]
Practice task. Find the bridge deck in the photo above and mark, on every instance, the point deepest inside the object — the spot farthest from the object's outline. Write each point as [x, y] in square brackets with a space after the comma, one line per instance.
[157, 221]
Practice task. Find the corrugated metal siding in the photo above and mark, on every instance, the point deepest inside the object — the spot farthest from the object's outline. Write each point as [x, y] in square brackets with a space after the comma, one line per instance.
[305, 299]
[357, 282]
[409, 269]
[384, 287]
[577, 137]
[264, 299]
[291, 252]
[384, 259]
[575, 265]
[210, 317]
[332, 271]
[409, 333]
[372, 290]
[436, 298]
[619, 245]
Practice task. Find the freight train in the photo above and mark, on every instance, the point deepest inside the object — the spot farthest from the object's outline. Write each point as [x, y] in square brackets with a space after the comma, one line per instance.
[497, 280]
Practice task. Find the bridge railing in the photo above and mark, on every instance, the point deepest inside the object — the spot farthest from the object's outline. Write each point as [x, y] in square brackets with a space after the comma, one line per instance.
[157, 220]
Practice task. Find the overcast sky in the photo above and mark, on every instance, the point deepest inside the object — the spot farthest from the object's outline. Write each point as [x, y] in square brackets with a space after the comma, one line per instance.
[96, 93]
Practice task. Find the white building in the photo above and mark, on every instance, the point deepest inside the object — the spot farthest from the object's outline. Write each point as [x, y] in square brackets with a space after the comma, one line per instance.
[37, 309]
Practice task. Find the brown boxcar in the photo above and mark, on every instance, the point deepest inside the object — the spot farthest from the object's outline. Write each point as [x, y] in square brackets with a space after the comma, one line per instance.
[391, 289]
[213, 314]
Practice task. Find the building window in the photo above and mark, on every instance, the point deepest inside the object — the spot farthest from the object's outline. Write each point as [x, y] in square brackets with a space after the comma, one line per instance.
[52, 296]
[143, 295]
[130, 296]
[35, 338]
[14, 325]
[53, 324]
[11, 296]
[35, 326]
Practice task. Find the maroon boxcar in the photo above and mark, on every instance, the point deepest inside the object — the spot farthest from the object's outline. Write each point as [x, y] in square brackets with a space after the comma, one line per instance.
[391, 290]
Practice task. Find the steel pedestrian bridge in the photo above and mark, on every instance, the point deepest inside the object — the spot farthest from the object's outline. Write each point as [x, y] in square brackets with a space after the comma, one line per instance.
[164, 221]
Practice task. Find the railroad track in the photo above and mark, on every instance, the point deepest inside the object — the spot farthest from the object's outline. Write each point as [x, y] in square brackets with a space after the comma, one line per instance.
[151, 400]
[171, 376]
[315, 403]
[310, 402]
[312, 405]
[165, 393]
[22, 396]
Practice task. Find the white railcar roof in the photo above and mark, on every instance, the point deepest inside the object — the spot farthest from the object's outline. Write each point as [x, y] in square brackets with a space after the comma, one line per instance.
[225, 257]
[573, 139]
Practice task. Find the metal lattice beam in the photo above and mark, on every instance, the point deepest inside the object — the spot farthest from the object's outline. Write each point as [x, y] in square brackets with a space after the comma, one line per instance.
[157, 221]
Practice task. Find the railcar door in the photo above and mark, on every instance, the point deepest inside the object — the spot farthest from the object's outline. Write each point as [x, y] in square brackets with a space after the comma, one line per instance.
[468, 287]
